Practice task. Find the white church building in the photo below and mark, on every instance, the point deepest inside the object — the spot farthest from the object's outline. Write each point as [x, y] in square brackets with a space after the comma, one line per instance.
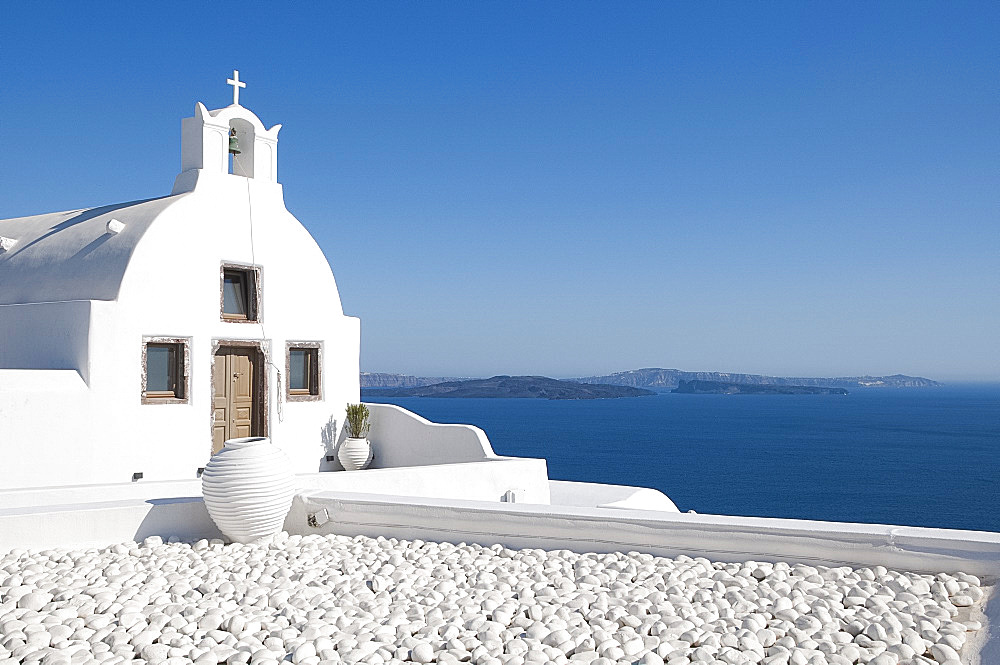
[136, 337]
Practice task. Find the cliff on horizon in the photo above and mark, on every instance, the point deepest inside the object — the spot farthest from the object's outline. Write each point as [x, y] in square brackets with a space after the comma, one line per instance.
[696, 387]
[517, 386]
[387, 380]
[655, 377]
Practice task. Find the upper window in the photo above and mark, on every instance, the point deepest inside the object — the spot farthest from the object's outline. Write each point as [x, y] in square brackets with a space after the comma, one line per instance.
[303, 371]
[240, 294]
[164, 376]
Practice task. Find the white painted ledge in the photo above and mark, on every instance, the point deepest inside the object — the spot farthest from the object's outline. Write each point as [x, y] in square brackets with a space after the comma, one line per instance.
[717, 537]
[103, 523]
[485, 480]
[81, 495]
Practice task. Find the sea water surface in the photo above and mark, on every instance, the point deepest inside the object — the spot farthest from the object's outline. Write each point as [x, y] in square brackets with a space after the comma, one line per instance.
[922, 457]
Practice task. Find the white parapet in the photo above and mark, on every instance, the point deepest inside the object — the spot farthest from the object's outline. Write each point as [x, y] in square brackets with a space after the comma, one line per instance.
[599, 495]
[402, 438]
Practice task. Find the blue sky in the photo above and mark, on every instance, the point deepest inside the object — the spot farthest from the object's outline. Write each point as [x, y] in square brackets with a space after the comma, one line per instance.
[571, 188]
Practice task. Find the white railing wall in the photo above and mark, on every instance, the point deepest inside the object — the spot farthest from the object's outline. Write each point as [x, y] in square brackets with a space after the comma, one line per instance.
[402, 438]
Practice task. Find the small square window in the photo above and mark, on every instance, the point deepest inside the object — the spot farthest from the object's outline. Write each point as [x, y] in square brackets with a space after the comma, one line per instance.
[303, 371]
[240, 295]
[164, 379]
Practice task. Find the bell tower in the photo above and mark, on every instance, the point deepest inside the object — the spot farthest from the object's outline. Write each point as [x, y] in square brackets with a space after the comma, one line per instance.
[210, 137]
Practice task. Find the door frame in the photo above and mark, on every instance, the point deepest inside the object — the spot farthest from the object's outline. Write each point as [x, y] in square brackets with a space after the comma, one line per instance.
[260, 383]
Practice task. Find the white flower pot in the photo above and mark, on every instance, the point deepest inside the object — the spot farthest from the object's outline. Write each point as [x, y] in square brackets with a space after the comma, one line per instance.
[355, 454]
[248, 488]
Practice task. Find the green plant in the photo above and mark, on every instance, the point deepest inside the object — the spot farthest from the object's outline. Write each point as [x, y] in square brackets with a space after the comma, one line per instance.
[357, 420]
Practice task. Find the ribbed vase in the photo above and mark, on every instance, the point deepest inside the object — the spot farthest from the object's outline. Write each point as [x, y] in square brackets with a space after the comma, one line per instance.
[248, 488]
[355, 454]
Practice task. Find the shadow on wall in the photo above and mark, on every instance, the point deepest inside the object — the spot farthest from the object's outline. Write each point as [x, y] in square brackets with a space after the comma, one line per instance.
[991, 650]
[328, 437]
[83, 217]
[186, 518]
[94, 244]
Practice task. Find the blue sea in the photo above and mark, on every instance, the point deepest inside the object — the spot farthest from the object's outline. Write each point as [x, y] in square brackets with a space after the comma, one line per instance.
[922, 457]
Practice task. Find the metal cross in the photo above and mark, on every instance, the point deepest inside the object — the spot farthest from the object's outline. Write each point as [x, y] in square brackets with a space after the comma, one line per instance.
[237, 84]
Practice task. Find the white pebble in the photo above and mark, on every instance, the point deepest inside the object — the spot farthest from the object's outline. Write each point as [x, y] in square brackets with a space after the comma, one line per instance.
[422, 653]
[943, 653]
[35, 600]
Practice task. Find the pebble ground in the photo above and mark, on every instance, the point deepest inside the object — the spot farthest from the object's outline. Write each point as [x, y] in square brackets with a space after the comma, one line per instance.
[331, 599]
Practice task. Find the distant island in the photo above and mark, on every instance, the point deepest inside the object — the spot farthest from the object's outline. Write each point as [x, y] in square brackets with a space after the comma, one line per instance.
[722, 388]
[539, 387]
[657, 378]
[387, 380]
[664, 380]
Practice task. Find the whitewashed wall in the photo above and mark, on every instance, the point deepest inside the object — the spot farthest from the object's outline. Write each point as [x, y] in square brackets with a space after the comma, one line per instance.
[55, 431]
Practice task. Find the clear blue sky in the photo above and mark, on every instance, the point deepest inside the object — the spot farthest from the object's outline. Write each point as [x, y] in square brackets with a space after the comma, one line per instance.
[571, 188]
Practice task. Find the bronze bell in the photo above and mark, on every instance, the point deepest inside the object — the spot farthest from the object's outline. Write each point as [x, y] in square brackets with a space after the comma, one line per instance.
[234, 143]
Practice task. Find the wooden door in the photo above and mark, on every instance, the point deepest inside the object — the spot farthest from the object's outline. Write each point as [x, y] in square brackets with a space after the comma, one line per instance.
[235, 395]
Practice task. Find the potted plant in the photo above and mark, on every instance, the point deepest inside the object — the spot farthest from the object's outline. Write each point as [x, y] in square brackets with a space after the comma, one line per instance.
[356, 451]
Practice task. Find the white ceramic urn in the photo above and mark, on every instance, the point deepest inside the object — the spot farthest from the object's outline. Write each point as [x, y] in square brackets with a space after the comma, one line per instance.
[355, 454]
[248, 488]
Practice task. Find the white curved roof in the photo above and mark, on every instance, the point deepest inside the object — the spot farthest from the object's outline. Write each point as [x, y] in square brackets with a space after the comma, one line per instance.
[70, 255]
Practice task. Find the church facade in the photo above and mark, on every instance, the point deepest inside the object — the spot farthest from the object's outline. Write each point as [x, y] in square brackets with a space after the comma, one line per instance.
[135, 338]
